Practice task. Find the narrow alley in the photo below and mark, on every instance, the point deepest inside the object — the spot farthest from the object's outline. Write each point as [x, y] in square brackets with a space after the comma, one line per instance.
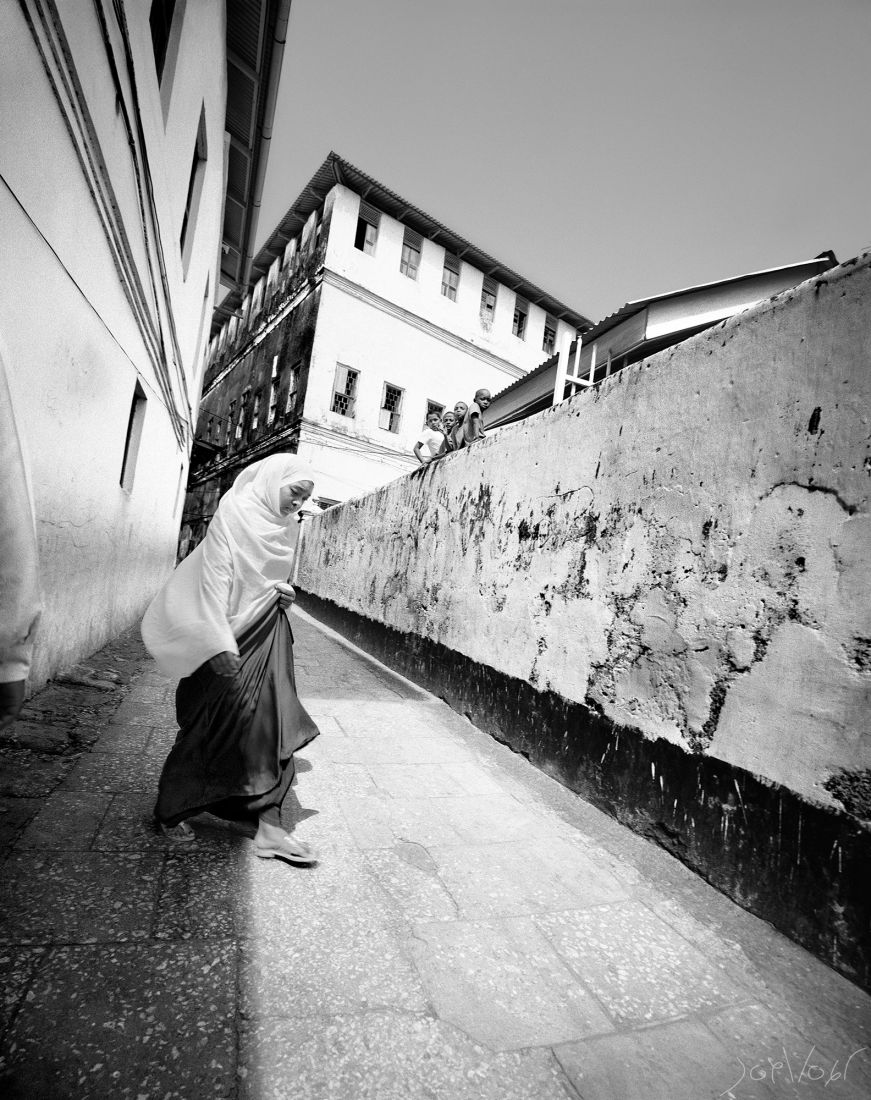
[473, 930]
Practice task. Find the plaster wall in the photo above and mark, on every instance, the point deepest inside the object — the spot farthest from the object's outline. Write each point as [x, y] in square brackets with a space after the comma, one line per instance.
[380, 274]
[683, 550]
[385, 347]
[78, 345]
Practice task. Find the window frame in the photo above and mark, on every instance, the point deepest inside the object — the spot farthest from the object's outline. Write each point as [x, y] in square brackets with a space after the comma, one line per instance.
[293, 385]
[521, 318]
[393, 426]
[489, 290]
[550, 326]
[274, 384]
[349, 394]
[412, 245]
[450, 284]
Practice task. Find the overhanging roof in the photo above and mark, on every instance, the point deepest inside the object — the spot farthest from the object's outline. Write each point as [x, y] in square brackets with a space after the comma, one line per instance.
[820, 263]
[534, 391]
[337, 170]
[256, 33]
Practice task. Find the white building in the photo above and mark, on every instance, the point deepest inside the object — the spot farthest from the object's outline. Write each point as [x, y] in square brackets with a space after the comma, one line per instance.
[366, 314]
[116, 137]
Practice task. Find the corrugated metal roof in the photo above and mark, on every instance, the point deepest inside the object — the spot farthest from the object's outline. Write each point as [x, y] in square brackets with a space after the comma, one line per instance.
[335, 169]
[825, 260]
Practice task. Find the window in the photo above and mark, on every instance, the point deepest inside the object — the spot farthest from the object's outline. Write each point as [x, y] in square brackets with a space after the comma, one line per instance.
[344, 390]
[240, 423]
[230, 414]
[488, 300]
[367, 228]
[451, 276]
[255, 413]
[391, 408]
[257, 299]
[195, 188]
[548, 344]
[366, 237]
[160, 21]
[521, 311]
[274, 383]
[411, 246]
[293, 385]
[210, 427]
[133, 438]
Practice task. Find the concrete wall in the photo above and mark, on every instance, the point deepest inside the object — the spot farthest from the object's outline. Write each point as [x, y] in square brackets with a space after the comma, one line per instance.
[682, 553]
[84, 310]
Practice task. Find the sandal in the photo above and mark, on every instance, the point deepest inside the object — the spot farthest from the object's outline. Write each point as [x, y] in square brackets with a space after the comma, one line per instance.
[177, 834]
[294, 851]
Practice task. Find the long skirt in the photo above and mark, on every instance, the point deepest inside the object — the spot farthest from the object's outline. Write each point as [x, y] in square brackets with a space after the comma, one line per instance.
[234, 752]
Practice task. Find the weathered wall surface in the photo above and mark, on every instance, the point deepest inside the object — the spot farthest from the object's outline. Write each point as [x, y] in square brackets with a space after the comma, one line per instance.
[683, 552]
[86, 314]
[685, 549]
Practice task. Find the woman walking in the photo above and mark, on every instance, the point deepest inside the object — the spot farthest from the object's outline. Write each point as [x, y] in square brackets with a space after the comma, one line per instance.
[219, 624]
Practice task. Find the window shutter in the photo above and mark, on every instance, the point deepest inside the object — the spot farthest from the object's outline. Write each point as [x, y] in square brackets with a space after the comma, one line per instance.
[412, 239]
[370, 214]
[521, 304]
[490, 285]
[452, 263]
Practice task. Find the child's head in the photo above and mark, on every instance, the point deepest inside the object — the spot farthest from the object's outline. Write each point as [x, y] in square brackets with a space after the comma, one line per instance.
[460, 410]
[448, 420]
[483, 398]
[433, 421]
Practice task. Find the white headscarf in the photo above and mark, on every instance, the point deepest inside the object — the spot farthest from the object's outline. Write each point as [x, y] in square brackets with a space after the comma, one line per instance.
[229, 579]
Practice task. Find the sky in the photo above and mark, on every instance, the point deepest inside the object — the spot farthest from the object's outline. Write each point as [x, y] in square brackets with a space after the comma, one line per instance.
[607, 150]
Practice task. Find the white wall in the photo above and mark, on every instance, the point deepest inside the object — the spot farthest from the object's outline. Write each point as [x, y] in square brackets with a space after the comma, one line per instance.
[380, 273]
[684, 548]
[78, 342]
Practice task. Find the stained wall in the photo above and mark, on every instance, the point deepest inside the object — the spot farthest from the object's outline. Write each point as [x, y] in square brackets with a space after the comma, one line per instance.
[685, 548]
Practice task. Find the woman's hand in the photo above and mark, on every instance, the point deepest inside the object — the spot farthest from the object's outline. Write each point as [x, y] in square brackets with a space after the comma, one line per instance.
[225, 664]
[286, 595]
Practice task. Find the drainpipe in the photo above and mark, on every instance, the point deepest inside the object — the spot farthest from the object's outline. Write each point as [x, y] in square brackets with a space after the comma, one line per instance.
[279, 38]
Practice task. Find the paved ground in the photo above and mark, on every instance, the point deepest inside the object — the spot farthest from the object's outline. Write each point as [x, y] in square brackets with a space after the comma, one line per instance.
[472, 931]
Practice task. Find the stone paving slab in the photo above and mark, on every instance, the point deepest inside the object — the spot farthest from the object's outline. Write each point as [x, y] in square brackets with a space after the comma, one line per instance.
[379, 821]
[522, 879]
[15, 814]
[679, 1061]
[141, 1021]
[112, 772]
[17, 967]
[641, 970]
[84, 897]
[389, 1056]
[23, 776]
[502, 983]
[67, 821]
[472, 930]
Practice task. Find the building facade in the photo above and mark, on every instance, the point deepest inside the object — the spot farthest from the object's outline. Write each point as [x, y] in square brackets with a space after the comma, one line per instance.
[364, 315]
[114, 147]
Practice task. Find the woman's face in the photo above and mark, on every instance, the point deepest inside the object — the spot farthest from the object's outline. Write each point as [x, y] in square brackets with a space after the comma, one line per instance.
[460, 409]
[292, 497]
